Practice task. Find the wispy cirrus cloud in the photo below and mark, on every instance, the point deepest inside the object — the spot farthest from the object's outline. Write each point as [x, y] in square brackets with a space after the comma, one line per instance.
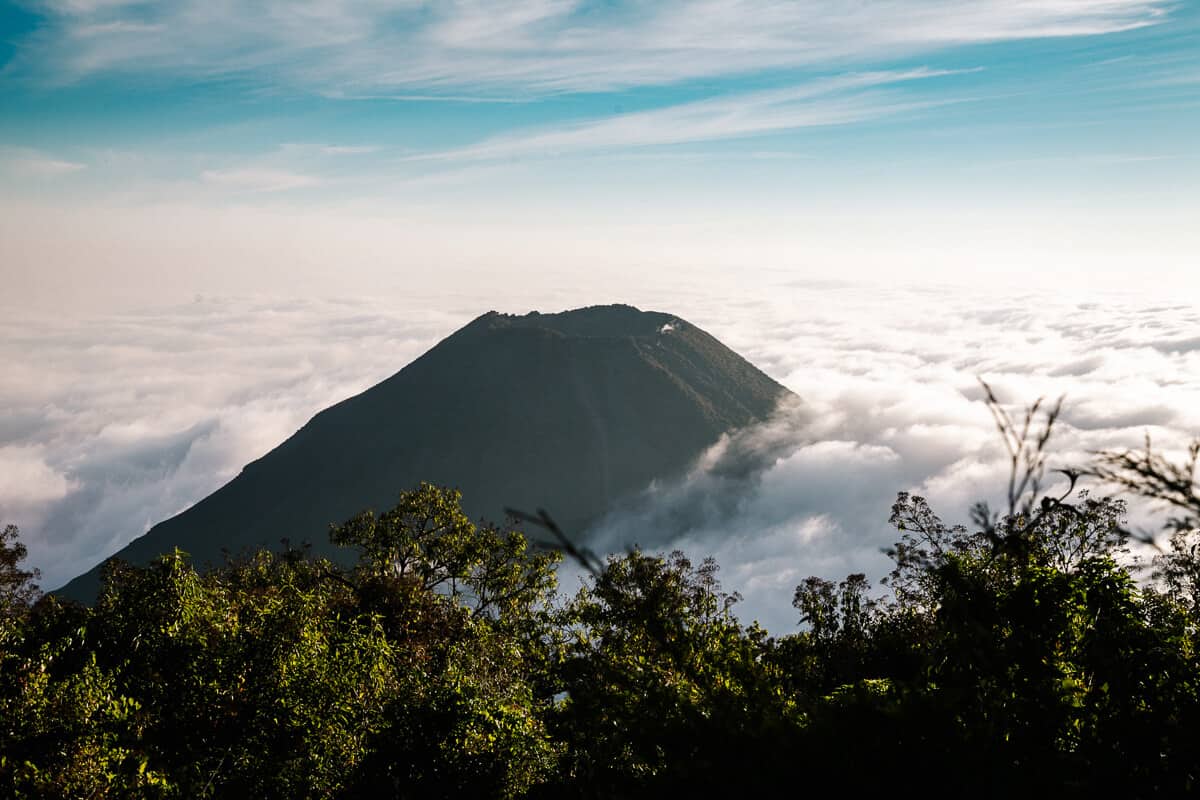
[840, 100]
[31, 163]
[347, 150]
[829, 101]
[259, 179]
[529, 47]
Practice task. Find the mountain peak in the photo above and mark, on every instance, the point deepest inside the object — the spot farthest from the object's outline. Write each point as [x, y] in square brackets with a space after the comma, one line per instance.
[568, 411]
[594, 322]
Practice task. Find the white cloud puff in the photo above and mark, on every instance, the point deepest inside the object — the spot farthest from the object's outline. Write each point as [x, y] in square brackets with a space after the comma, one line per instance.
[26, 479]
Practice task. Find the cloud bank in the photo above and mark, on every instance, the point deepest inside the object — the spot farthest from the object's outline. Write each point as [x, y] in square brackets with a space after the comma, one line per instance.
[116, 423]
[891, 402]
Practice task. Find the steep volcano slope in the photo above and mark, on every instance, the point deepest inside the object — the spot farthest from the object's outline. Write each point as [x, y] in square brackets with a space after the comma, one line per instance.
[563, 411]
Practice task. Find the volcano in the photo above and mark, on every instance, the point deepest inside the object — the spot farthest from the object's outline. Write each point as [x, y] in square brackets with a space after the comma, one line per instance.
[569, 412]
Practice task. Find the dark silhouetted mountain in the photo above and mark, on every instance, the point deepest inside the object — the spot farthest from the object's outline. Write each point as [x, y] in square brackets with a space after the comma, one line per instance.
[566, 412]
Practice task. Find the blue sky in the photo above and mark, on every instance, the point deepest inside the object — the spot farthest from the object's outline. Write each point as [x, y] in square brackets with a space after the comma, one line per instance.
[937, 138]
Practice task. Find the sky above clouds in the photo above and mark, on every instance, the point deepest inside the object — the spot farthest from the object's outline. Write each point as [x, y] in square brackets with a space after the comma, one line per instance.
[218, 217]
[152, 150]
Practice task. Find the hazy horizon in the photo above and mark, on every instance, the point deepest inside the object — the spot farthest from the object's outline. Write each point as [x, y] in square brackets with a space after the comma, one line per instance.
[149, 152]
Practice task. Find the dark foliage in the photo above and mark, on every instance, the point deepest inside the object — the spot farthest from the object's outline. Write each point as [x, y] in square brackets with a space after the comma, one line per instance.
[1014, 656]
[17, 586]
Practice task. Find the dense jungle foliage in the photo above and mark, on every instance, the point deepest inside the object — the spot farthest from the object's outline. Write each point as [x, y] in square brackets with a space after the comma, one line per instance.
[1021, 654]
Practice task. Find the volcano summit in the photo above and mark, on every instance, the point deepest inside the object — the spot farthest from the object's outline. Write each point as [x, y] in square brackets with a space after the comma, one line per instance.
[568, 412]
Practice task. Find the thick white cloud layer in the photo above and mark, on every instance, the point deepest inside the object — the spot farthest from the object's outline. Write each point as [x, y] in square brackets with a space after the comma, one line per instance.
[116, 423]
[889, 378]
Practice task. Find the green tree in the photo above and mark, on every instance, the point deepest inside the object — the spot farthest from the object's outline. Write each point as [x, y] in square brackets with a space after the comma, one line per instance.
[1022, 651]
[280, 675]
[18, 587]
[662, 687]
[468, 607]
[427, 541]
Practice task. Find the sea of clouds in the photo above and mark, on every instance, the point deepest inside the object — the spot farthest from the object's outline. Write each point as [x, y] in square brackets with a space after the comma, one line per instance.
[116, 422]
[889, 379]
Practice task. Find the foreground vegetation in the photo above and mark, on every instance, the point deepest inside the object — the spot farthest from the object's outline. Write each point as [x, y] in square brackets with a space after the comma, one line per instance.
[1019, 654]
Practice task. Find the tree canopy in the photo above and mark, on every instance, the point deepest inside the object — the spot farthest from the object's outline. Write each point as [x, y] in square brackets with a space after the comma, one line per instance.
[1019, 653]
